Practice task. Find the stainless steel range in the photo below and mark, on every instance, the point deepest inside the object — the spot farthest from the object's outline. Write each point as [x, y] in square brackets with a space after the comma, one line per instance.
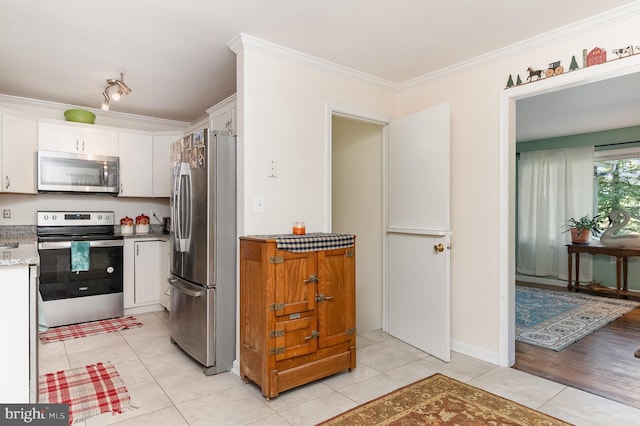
[73, 294]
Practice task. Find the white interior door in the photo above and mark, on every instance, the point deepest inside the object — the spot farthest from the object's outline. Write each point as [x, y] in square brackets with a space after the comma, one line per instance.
[418, 230]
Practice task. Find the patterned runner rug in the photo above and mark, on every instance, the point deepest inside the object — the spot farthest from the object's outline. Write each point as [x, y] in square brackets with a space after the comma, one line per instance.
[554, 319]
[90, 390]
[57, 334]
[440, 400]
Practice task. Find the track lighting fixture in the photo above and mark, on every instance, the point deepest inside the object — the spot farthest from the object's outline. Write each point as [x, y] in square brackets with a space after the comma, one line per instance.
[122, 89]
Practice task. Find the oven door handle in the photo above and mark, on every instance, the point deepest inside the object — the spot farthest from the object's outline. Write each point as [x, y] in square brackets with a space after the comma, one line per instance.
[54, 245]
[181, 287]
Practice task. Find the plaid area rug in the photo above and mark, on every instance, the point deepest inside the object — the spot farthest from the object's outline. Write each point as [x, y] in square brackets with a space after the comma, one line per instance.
[90, 390]
[58, 334]
[555, 319]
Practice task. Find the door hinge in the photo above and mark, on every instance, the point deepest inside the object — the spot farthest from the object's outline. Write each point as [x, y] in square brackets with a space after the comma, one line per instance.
[350, 253]
[276, 333]
[276, 306]
[276, 351]
[350, 331]
[276, 260]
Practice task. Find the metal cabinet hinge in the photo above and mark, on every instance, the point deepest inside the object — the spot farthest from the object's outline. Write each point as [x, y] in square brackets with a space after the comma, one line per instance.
[276, 306]
[276, 333]
[350, 253]
[276, 351]
[350, 331]
[274, 260]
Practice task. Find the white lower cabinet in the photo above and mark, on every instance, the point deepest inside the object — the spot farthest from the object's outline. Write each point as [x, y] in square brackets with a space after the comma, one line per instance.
[18, 313]
[145, 274]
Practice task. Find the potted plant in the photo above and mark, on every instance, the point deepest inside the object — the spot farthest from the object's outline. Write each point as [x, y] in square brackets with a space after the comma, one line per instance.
[582, 228]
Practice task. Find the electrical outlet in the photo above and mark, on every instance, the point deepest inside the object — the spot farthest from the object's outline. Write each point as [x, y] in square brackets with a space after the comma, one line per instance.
[258, 204]
[612, 259]
[6, 214]
[152, 213]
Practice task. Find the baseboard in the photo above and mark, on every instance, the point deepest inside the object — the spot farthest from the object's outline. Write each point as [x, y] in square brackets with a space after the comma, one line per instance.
[542, 280]
[475, 352]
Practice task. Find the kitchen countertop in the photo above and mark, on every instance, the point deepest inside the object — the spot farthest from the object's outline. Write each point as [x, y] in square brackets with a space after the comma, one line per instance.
[151, 235]
[26, 253]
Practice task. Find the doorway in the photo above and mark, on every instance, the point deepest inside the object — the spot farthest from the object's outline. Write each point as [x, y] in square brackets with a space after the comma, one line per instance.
[508, 183]
[357, 208]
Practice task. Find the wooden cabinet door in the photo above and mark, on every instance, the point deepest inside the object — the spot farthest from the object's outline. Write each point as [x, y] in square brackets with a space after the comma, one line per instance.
[295, 337]
[336, 296]
[295, 282]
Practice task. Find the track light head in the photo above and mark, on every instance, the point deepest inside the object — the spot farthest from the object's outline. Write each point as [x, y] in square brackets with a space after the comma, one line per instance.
[123, 89]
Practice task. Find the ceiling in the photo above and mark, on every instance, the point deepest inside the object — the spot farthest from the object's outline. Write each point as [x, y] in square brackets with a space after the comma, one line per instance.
[174, 54]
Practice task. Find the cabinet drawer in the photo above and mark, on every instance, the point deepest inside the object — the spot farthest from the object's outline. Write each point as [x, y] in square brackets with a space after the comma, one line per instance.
[296, 337]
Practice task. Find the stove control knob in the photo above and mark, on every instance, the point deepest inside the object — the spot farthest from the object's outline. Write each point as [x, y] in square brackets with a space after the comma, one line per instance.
[54, 217]
[99, 217]
[46, 217]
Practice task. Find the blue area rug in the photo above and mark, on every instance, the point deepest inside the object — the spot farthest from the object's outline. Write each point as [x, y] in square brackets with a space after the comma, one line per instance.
[554, 319]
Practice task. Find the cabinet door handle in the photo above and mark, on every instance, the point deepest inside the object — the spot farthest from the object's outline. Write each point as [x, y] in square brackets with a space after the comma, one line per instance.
[77, 145]
[8, 182]
[83, 145]
[322, 298]
[313, 278]
[314, 335]
[137, 250]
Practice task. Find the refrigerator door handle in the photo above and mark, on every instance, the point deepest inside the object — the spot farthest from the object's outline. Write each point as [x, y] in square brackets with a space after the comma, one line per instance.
[183, 288]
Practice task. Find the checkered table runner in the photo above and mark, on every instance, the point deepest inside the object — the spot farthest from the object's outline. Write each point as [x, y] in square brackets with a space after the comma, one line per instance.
[311, 242]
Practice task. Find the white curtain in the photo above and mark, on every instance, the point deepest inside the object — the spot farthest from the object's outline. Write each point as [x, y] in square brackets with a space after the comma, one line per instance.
[553, 186]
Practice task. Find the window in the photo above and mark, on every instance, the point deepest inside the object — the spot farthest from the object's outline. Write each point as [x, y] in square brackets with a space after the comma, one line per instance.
[617, 181]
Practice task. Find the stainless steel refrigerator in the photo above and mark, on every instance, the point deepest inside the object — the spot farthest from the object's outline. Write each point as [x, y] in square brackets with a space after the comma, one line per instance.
[203, 248]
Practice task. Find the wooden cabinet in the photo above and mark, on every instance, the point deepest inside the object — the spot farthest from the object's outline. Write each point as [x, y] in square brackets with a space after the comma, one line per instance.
[297, 314]
[145, 273]
[222, 116]
[18, 147]
[77, 138]
[136, 167]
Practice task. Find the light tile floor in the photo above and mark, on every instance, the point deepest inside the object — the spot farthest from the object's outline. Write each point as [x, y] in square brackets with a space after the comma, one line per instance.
[169, 388]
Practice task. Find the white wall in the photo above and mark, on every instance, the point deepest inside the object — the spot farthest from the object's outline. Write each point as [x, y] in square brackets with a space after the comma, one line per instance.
[24, 207]
[474, 93]
[283, 116]
[282, 111]
[357, 207]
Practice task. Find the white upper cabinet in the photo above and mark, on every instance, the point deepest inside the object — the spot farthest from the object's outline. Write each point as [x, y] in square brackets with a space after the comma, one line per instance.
[161, 168]
[136, 167]
[222, 116]
[18, 147]
[77, 138]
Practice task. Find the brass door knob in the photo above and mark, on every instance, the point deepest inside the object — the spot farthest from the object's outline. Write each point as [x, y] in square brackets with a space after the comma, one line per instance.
[438, 248]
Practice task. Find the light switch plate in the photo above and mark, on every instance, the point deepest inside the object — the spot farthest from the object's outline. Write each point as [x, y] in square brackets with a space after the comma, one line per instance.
[258, 204]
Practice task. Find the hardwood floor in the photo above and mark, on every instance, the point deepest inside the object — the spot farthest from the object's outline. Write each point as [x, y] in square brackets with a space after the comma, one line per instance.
[602, 363]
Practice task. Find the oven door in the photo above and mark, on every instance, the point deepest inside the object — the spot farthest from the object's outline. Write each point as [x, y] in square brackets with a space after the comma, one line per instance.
[104, 276]
[75, 297]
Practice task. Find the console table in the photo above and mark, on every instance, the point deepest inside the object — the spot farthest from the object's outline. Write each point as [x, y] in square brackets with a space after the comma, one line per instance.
[621, 254]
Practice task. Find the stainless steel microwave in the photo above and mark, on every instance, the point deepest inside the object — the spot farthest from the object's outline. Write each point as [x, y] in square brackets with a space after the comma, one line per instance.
[68, 172]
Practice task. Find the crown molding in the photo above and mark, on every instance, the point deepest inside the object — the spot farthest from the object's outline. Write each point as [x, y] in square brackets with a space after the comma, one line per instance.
[37, 103]
[540, 40]
[245, 41]
[248, 42]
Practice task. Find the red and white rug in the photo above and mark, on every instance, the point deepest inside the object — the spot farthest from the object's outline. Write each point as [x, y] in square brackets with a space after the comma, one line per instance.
[90, 390]
[58, 334]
